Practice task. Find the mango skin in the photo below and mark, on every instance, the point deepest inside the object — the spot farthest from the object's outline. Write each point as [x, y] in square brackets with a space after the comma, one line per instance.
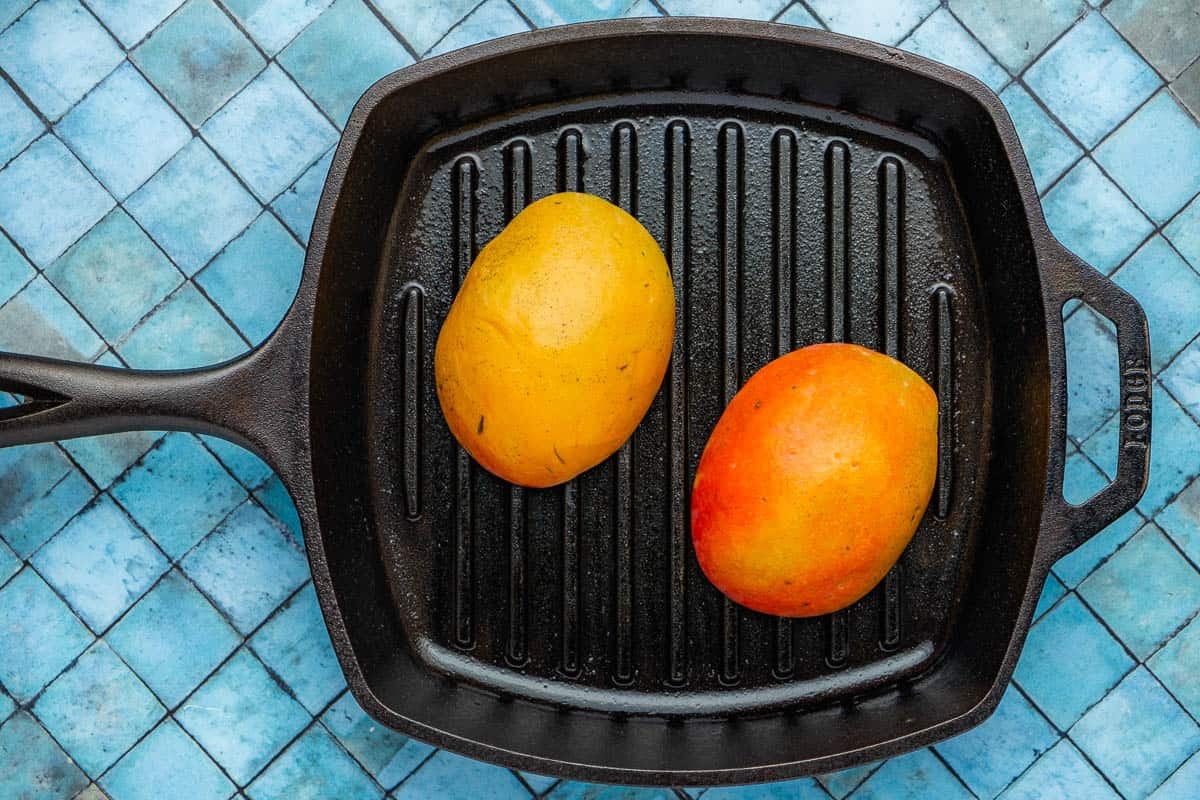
[815, 479]
[557, 341]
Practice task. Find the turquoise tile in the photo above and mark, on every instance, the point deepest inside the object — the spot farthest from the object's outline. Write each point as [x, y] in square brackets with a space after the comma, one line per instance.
[131, 20]
[255, 278]
[100, 563]
[275, 498]
[298, 204]
[27, 474]
[1184, 233]
[886, 23]
[123, 131]
[247, 566]
[915, 776]
[185, 331]
[47, 514]
[1077, 565]
[1175, 665]
[114, 275]
[1165, 32]
[1163, 177]
[797, 14]
[1181, 521]
[801, 789]
[193, 206]
[198, 59]
[21, 125]
[105, 458]
[1169, 291]
[1081, 479]
[989, 757]
[241, 717]
[202, 493]
[92, 792]
[1093, 376]
[38, 321]
[7, 705]
[9, 565]
[97, 709]
[167, 763]
[1047, 147]
[1016, 33]
[423, 24]
[269, 133]
[48, 200]
[387, 755]
[15, 270]
[295, 645]
[1182, 784]
[1052, 592]
[35, 768]
[11, 10]
[314, 768]
[50, 636]
[745, 9]
[1137, 735]
[56, 53]
[1090, 215]
[452, 777]
[274, 23]
[173, 638]
[545, 13]
[1091, 79]
[543, 783]
[250, 470]
[1061, 772]
[1069, 662]
[366, 52]
[943, 39]
[490, 19]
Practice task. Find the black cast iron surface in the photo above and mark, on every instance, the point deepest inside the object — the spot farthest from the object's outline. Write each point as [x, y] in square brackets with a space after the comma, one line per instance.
[805, 187]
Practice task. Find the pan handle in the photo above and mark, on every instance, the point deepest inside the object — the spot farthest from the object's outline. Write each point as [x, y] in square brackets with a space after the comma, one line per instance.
[252, 400]
[1078, 280]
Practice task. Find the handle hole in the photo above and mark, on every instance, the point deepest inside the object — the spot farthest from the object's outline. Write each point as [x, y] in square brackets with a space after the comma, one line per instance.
[1093, 396]
[11, 399]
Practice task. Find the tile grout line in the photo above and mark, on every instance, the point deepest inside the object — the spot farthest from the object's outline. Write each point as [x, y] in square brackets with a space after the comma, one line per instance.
[392, 29]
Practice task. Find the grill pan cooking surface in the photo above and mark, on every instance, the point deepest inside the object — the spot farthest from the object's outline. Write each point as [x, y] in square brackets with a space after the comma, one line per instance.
[805, 187]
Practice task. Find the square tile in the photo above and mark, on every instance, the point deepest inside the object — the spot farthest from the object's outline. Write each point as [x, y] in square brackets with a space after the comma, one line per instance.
[544, 13]
[1070, 661]
[1175, 665]
[423, 24]
[914, 776]
[1081, 479]
[115, 275]
[1145, 592]
[7, 706]
[193, 206]
[1091, 79]
[1047, 147]
[35, 768]
[543, 783]
[274, 23]
[100, 563]
[314, 768]
[1137, 735]
[387, 755]
[105, 458]
[1061, 772]
[1052, 592]
[1165, 32]
[275, 498]
[11, 10]
[27, 474]
[295, 644]
[38, 321]
[269, 133]
[92, 792]
[123, 131]
[248, 566]
[46, 514]
[15, 270]
[48, 199]
[448, 776]
[795, 14]
[800, 789]
[1155, 156]
[50, 635]
[173, 638]
[744, 9]
[1187, 88]
[1093, 377]
[131, 20]
[298, 204]
[185, 331]
[9, 566]
[255, 278]
[242, 717]
[250, 470]
[366, 51]
[56, 53]
[1169, 291]
[21, 125]
[198, 59]
[1181, 520]
[167, 763]
[1090, 215]
[178, 493]
[1072, 568]
[1016, 33]
[1182, 784]
[97, 709]
[943, 39]
[1184, 233]
[886, 23]
[489, 20]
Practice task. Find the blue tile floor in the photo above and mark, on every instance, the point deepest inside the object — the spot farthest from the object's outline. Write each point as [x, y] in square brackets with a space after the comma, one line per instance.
[160, 162]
